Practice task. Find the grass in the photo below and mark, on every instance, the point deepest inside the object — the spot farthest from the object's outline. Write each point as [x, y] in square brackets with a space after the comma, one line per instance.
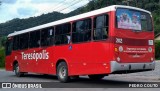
[2, 57]
[158, 59]
[3, 68]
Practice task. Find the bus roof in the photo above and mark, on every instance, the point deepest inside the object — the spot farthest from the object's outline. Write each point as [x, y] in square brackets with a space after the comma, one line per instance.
[77, 17]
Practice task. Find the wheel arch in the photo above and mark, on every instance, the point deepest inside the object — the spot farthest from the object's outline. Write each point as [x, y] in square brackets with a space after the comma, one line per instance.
[59, 61]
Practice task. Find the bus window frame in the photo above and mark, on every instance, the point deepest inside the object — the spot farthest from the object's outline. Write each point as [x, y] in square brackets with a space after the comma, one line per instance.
[70, 33]
[32, 41]
[43, 29]
[87, 18]
[20, 41]
[9, 42]
[17, 48]
[105, 27]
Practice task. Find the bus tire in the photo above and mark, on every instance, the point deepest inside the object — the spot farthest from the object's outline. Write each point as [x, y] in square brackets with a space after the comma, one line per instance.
[96, 77]
[17, 70]
[62, 72]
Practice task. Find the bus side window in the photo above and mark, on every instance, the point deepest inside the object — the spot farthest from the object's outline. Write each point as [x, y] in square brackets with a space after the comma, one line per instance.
[101, 24]
[81, 31]
[34, 40]
[62, 34]
[24, 41]
[146, 23]
[9, 44]
[16, 42]
[47, 36]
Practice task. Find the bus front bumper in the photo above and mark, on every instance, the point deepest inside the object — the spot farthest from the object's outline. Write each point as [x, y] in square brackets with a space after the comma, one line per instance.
[131, 67]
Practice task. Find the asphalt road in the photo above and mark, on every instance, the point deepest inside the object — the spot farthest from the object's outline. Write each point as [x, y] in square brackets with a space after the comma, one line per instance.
[83, 82]
[111, 81]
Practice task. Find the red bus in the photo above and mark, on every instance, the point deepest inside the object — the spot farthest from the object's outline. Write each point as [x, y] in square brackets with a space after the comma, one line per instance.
[115, 39]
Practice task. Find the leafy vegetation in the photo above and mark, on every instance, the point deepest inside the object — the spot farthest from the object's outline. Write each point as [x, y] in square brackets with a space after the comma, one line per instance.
[2, 51]
[157, 47]
[2, 57]
[2, 41]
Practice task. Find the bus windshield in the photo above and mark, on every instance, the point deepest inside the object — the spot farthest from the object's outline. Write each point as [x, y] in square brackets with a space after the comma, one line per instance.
[133, 19]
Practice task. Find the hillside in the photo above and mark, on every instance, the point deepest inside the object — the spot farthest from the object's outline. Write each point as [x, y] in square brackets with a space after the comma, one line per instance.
[20, 24]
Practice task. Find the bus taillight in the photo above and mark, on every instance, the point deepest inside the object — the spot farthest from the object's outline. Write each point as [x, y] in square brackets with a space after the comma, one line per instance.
[116, 49]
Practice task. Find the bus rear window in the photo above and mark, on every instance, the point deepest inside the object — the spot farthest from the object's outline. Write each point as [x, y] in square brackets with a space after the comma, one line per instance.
[133, 19]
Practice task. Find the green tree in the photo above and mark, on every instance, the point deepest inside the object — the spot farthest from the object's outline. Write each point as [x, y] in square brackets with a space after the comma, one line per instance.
[157, 47]
[3, 41]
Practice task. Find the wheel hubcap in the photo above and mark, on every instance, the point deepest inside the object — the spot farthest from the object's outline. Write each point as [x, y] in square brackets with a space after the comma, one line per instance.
[17, 69]
[62, 72]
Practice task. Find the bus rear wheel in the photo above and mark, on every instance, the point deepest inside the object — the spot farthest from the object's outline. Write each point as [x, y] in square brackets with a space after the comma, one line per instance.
[96, 77]
[17, 70]
[62, 72]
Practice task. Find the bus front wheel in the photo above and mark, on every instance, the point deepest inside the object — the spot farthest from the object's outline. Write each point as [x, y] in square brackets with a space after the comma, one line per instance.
[96, 77]
[62, 72]
[17, 70]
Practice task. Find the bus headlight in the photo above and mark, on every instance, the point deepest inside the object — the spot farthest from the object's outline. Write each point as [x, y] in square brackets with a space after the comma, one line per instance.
[120, 49]
[149, 49]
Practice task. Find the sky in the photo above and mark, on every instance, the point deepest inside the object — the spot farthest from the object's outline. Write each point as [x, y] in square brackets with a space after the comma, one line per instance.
[10, 9]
